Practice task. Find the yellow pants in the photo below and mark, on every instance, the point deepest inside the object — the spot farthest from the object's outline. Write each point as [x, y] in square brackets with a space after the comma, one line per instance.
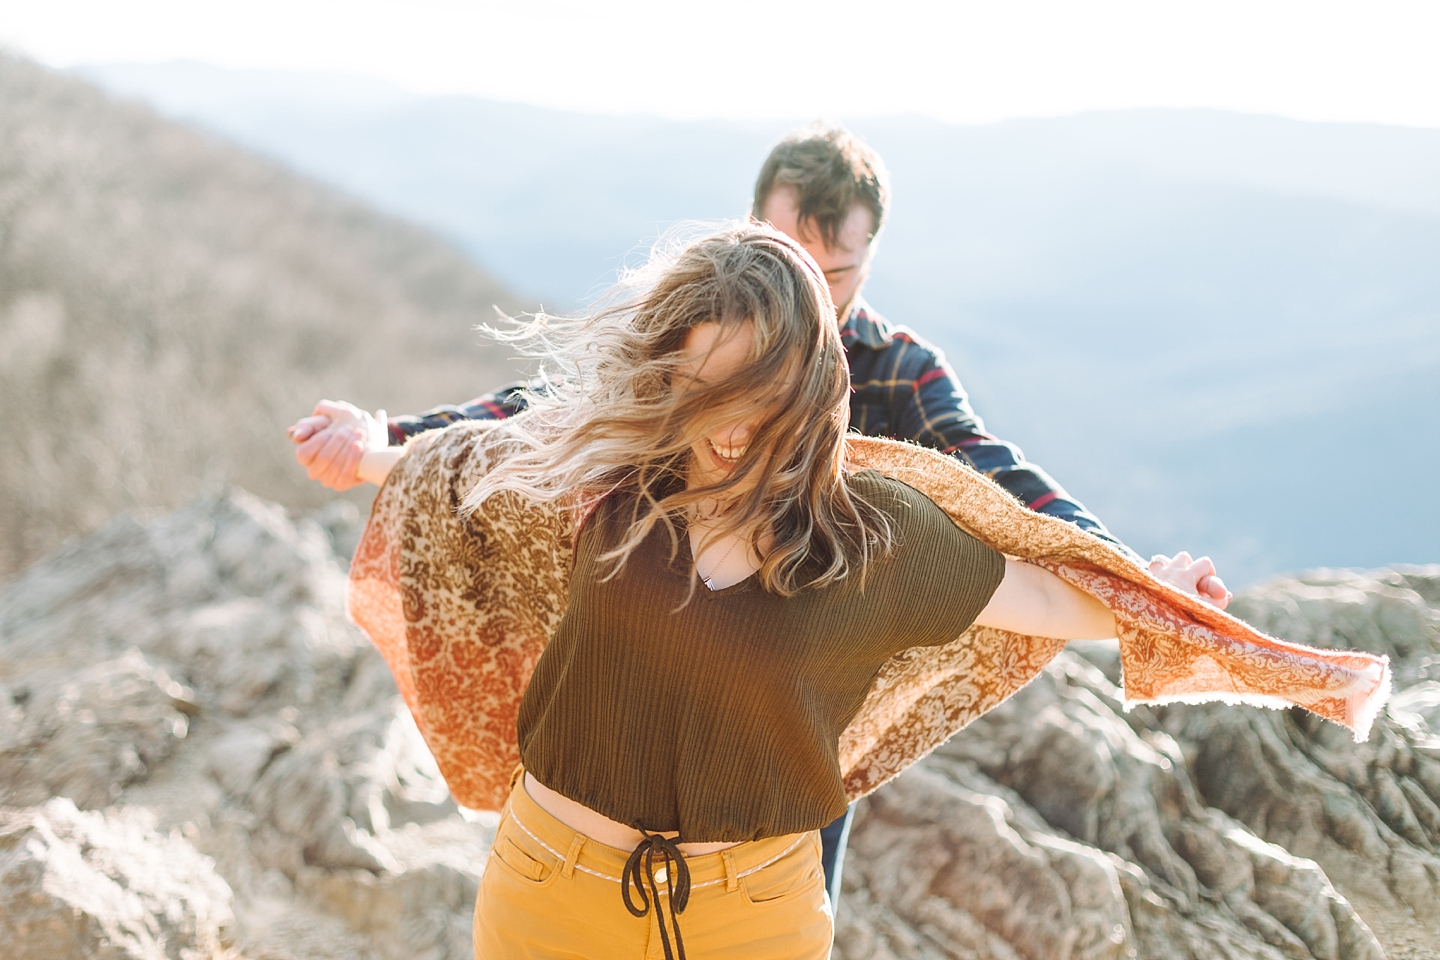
[550, 893]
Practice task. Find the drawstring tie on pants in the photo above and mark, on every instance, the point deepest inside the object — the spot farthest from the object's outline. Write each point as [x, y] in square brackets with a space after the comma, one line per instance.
[640, 871]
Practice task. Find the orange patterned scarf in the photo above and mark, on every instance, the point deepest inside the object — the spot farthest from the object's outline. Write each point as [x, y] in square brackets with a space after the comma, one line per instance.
[462, 609]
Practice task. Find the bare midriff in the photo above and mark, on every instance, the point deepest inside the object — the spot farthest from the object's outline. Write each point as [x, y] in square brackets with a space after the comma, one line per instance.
[599, 827]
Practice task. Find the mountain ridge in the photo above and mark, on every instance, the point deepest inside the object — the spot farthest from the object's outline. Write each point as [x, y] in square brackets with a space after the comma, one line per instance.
[169, 303]
[1172, 312]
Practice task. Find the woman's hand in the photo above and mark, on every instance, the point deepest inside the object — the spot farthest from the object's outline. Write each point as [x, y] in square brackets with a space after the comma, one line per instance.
[1192, 576]
[342, 446]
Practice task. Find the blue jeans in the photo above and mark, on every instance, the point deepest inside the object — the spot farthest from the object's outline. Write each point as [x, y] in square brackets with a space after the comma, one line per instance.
[832, 853]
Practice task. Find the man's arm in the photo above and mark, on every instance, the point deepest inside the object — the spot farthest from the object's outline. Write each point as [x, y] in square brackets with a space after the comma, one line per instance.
[329, 443]
[503, 403]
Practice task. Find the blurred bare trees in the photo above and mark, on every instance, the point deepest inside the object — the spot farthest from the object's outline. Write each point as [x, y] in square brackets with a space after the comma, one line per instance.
[168, 303]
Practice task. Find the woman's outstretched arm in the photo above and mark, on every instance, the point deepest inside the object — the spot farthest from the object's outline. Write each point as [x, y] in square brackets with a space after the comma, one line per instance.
[1032, 600]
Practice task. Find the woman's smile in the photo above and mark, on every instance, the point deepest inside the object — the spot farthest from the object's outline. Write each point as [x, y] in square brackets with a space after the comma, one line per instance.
[724, 457]
[713, 353]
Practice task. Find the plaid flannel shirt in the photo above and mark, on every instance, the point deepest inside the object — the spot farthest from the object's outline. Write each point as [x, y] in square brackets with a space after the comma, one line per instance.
[902, 388]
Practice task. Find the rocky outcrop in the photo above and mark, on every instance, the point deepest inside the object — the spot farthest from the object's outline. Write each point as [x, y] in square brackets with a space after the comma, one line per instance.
[233, 772]
[1058, 826]
[76, 884]
[1368, 814]
[200, 757]
[1228, 832]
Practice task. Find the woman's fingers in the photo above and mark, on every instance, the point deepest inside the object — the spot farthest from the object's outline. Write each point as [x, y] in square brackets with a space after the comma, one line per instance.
[347, 469]
[1192, 576]
[331, 442]
[329, 445]
[341, 458]
[323, 468]
[306, 427]
[314, 446]
[325, 408]
[339, 412]
[309, 449]
[1209, 586]
[1213, 589]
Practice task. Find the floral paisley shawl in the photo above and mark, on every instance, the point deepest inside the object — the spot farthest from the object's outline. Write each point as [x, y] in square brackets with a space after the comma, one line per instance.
[462, 609]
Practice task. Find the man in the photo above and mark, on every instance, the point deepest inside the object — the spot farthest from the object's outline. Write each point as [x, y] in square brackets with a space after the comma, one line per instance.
[829, 191]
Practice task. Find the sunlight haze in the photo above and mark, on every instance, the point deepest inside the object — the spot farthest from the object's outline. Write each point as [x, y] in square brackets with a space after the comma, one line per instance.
[964, 62]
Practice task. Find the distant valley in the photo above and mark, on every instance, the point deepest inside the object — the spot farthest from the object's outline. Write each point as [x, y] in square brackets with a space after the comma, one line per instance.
[1221, 332]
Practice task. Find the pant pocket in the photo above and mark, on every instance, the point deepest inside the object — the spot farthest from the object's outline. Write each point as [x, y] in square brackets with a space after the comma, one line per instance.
[793, 876]
[521, 855]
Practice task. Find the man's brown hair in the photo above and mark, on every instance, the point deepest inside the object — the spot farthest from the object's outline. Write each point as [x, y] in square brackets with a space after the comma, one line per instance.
[830, 169]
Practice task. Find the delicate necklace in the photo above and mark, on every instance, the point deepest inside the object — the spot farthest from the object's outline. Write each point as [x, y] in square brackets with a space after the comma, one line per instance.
[710, 580]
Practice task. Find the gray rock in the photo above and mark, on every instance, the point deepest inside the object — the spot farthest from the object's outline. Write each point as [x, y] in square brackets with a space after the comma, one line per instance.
[199, 669]
[1106, 850]
[94, 887]
[1366, 813]
[86, 735]
[237, 758]
[956, 867]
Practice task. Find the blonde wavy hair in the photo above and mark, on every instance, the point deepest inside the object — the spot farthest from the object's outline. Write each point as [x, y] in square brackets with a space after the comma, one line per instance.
[616, 414]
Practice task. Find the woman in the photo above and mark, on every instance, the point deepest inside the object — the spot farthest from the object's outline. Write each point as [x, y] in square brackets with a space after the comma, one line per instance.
[736, 589]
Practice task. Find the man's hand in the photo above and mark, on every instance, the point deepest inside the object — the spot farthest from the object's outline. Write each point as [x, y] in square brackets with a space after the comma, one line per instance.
[1192, 576]
[331, 441]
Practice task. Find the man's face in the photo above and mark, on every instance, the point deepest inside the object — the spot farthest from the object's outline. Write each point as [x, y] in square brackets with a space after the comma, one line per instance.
[846, 263]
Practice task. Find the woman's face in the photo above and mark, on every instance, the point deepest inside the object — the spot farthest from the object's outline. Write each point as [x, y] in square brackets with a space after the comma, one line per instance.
[712, 354]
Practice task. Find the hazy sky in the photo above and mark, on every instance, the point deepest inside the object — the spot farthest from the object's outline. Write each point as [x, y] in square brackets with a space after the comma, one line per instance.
[1370, 60]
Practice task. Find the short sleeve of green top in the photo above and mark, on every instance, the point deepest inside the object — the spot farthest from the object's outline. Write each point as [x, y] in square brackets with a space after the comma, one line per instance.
[721, 718]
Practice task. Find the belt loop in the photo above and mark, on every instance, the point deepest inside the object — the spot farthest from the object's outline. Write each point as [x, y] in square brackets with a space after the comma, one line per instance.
[732, 876]
[568, 871]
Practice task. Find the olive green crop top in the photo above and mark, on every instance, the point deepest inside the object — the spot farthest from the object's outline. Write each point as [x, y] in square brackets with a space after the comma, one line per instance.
[721, 718]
